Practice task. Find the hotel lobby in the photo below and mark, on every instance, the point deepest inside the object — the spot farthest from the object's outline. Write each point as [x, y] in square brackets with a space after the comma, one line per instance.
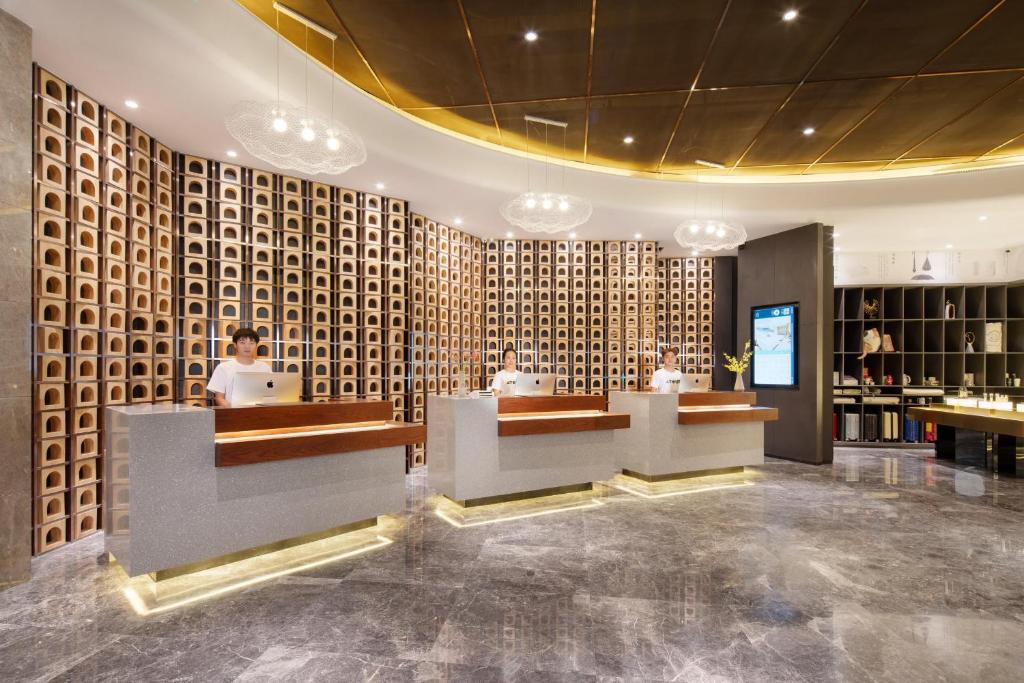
[481, 341]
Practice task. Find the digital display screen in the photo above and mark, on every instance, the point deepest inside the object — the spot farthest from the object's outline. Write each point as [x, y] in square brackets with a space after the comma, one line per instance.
[774, 332]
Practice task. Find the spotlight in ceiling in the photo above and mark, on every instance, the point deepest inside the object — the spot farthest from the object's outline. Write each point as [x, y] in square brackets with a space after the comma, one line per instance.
[572, 235]
[835, 248]
[694, 252]
[949, 246]
[790, 15]
[232, 153]
[508, 234]
[708, 164]
[808, 131]
[530, 36]
[380, 186]
[982, 218]
[131, 104]
[458, 221]
[637, 236]
[628, 139]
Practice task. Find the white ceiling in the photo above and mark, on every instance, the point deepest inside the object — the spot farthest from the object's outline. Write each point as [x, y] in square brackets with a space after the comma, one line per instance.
[188, 61]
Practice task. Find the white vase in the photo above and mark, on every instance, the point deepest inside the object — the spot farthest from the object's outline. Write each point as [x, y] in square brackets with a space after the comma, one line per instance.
[738, 386]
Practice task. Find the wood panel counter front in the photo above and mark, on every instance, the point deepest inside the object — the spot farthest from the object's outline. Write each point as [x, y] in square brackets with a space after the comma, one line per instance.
[559, 414]
[255, 434]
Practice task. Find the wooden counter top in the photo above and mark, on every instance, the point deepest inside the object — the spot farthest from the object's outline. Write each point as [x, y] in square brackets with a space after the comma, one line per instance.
[717, 398]
[529, 423]
[547, 404]
[698, 416]
[975, 419]
[255, 434]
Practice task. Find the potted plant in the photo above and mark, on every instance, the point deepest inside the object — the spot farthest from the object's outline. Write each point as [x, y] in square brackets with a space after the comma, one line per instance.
[739, 365]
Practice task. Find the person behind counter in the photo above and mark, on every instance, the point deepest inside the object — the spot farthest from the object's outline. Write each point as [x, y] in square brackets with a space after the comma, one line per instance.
[504, 382]
[666, 379]
[223, 379]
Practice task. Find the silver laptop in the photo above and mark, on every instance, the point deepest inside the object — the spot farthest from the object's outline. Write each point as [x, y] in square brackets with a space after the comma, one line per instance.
[262, 388]
[535, 384]
[694, 383]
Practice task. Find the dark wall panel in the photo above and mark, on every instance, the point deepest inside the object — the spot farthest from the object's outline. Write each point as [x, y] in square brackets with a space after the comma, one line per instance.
[794, 266]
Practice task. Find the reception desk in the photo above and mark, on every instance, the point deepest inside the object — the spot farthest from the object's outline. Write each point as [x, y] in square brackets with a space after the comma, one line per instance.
[486, 450]
[187, 488]
[691, 434]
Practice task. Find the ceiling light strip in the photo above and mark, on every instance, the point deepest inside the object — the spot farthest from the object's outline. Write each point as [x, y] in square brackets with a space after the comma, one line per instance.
[306, 21]
[590, 72]
[693, 85]
[547, 122]
[479, 67]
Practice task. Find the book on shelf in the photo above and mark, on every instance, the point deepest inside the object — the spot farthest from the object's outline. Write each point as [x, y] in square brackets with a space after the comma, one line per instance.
[881, 400]
[870, 427]
[844, 399]
[851, 432]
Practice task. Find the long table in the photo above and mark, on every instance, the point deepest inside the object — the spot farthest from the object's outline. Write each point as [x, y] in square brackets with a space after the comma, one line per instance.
[960, 434]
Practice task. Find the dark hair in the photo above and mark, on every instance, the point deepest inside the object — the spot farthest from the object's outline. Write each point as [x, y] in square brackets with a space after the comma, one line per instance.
[508, 349]
[245, 333]
[669, 349]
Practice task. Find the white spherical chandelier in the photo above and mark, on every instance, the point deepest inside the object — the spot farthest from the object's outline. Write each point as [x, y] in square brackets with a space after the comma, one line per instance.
[701, 235]
[294, 137]
[545, 210]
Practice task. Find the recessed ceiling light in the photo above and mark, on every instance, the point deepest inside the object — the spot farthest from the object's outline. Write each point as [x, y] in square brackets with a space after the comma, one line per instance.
[131, 104]
[232, 153]
[637, 236]
[628, 139]
[530, 36]
[790, 15]
[835, 234]
[982, 218]
[572, 235]
[835, 249]
[808, 131]
[458, 221]
[508, 234]
[949, 246]
[694, 252]
[380, 186]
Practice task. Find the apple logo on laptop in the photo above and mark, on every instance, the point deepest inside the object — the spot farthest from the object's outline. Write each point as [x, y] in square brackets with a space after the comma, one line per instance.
[270, 384]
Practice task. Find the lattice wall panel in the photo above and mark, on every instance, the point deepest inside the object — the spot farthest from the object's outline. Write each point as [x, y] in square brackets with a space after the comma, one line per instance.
[686, 311]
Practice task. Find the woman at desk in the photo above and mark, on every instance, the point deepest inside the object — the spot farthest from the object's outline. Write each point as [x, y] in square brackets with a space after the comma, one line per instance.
[667, 378]
[504, 382]
[223, 378]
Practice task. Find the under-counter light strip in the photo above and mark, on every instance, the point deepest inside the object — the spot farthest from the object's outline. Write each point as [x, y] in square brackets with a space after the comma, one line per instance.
[550, 416]
[139, 605]
[702, 489]
[462, 525]
[261, 436]
[730, 406]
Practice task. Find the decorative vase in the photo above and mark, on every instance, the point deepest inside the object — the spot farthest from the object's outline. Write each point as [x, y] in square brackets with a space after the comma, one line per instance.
[950, 310]
[738, 386]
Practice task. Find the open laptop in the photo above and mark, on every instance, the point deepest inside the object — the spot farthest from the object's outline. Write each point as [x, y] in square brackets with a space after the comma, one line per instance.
[263, 388]
[535, 384]
[694, 383]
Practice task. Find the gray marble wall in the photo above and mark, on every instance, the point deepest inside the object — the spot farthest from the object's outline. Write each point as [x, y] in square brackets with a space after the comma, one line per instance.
[794, 266]
[15, 299]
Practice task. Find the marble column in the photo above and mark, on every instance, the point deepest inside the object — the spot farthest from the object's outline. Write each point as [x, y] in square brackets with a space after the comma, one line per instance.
[15, 300]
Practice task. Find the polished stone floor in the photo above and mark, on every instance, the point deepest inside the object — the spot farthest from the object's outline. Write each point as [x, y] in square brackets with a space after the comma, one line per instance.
[886, 566]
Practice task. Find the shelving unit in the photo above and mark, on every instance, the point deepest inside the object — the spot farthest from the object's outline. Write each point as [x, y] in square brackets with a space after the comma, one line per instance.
[928, 343]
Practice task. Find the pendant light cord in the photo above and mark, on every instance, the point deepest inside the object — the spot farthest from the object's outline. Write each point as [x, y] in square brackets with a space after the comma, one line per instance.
[277, 57]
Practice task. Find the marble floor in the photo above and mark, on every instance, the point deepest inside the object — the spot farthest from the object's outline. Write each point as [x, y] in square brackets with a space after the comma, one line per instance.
[885, 566]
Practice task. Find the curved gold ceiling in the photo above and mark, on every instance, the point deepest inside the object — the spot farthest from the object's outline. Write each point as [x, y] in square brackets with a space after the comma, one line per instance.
[889, 88]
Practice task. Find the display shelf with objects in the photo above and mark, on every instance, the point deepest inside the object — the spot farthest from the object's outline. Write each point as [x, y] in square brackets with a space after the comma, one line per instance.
[903, 346]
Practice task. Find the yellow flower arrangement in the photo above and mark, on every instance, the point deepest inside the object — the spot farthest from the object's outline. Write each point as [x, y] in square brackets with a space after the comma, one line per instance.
[739, 365]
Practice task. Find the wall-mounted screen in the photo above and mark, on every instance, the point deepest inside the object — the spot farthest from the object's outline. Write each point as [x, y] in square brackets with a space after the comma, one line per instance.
[774, 332]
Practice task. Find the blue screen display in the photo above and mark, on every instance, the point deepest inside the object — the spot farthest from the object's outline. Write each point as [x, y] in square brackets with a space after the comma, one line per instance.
[774, 332]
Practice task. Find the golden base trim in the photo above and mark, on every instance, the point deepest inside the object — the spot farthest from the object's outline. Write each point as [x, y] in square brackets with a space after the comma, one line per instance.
[239, 555]
[523, 495]
[656, 478]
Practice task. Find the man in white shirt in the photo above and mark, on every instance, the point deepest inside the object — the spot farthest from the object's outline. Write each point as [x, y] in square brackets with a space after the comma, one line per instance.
[504, 383]
[666, 379]
[223, 379]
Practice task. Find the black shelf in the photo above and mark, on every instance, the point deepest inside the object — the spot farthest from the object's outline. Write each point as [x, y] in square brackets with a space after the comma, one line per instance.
[928, 342]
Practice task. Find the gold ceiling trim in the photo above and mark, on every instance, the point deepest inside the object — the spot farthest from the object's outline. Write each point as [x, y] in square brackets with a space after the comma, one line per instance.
[479, 67]
[932, 165]
[590, 73]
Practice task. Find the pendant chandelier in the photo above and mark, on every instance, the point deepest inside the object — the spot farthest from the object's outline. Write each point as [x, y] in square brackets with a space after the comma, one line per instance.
[545, 210]
[700, 235]
[293, 137]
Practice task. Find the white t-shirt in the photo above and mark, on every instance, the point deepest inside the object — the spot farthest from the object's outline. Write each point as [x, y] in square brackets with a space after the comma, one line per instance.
[665, 382]
[506, 382]
[223, 378]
